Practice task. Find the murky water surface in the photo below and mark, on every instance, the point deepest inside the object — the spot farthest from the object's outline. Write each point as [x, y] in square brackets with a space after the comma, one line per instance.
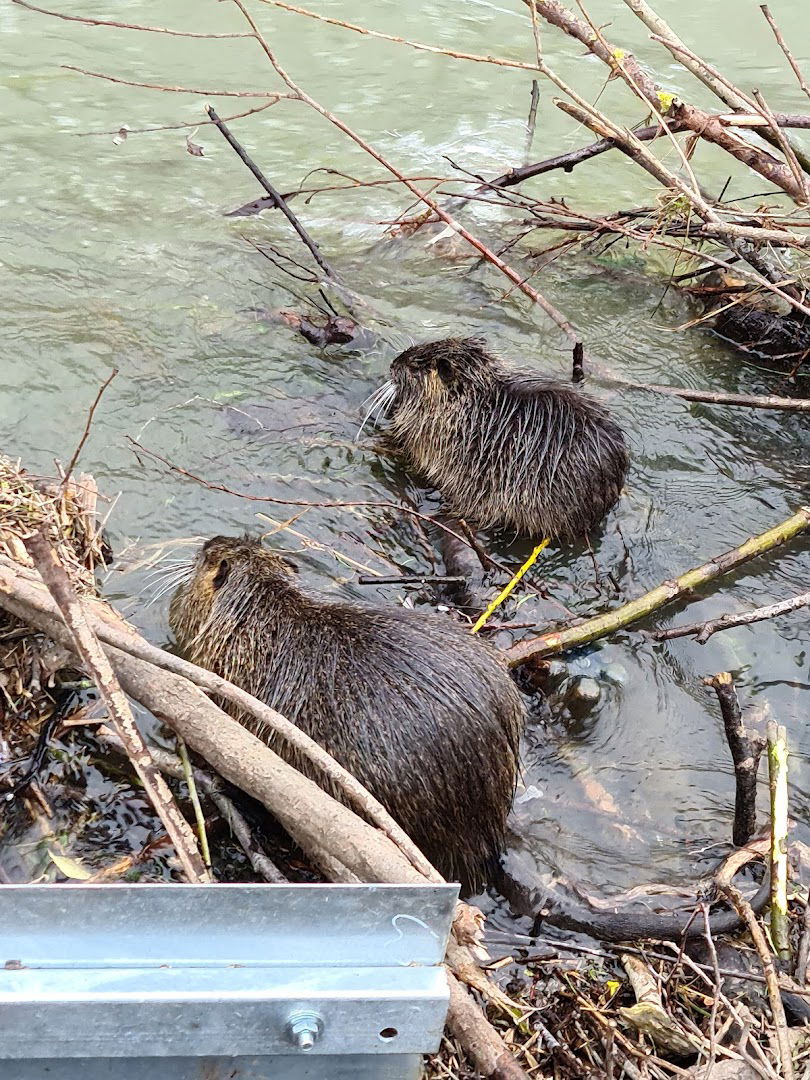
[117, 253]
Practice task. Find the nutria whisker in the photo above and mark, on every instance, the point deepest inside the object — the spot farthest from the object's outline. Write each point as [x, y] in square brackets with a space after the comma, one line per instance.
[164, 569]
[168, 581]
[421, 712]
[506, 448]
[380, 401]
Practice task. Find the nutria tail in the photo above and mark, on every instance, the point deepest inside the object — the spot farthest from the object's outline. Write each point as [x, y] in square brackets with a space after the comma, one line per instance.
[505, 448]
[423, 714]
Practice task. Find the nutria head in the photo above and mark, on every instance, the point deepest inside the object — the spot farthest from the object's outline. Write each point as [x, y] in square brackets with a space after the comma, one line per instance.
[229, 576]
[437, 367]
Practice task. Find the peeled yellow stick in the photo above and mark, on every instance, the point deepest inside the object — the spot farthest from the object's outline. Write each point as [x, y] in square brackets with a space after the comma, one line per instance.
[502, 595]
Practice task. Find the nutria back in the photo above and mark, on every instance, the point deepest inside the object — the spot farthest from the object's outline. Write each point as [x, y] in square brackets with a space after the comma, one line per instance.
[423, 714]
[506, 448]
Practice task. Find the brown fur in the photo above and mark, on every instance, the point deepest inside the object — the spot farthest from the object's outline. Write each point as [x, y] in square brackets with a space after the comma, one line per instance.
[423, 714]
[506, 448]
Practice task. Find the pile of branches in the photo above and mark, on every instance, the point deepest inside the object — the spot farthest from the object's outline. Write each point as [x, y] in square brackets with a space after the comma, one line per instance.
[31, 672]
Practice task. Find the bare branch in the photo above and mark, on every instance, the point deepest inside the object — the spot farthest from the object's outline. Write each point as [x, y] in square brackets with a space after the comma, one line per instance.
[86, 20]
[178, 127]
[86, 431]
[703, 631]
[500, 61]
[173, 89]
[777, 33]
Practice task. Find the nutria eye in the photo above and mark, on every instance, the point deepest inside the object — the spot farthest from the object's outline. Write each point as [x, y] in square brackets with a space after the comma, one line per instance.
[222, 574]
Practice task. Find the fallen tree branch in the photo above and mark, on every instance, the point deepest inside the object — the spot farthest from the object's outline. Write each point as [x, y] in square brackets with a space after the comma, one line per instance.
[84, 642]
[115, 633]
[720, 397]
[746, 749]
[608, 623]
[648, 133]
[703, 631]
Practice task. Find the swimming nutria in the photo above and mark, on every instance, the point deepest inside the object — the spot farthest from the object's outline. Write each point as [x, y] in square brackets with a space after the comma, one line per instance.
[423, 714]
[506, 448]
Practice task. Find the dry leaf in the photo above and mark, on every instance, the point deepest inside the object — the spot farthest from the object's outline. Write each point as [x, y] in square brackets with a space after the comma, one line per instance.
[69, 867]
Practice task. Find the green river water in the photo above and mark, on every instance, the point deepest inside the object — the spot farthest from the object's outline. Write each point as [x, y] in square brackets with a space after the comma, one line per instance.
[117, 253]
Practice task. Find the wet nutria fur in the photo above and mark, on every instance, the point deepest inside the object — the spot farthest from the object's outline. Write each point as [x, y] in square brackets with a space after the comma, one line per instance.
[505, 448]
[424, 715]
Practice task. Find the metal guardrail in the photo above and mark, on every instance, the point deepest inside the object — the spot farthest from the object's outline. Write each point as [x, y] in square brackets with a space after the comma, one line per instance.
[199, 982]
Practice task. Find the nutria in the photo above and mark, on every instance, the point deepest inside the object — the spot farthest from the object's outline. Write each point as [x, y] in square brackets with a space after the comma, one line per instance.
[506, 448]
[423, 714]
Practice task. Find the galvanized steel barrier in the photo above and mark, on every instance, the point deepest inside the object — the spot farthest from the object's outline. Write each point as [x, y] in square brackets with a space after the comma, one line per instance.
[208, 982]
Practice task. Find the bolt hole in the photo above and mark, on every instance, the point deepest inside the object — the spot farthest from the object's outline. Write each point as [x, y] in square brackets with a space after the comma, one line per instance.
[389, 1033]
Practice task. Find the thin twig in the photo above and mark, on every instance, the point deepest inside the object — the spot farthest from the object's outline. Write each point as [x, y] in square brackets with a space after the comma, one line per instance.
[212, 785]
[777, 33]
[777, 782]
[95, 659]
[531, 123]
[171, 89]
[719, 397]
[703, 631]
[188, 776]
[86, 432]
[411, 579]
[783, 142]
[276, 196]
[88, 21]
[718, 984]
[178, 127]
[420, 46]
[735, 897]
[508, 588]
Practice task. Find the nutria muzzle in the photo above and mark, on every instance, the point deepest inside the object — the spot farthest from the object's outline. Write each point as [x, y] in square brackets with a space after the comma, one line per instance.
[422, 713]
[506, 448]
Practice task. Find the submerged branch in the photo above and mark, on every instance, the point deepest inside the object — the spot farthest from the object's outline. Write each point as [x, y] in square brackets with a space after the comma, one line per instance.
[703, 631]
